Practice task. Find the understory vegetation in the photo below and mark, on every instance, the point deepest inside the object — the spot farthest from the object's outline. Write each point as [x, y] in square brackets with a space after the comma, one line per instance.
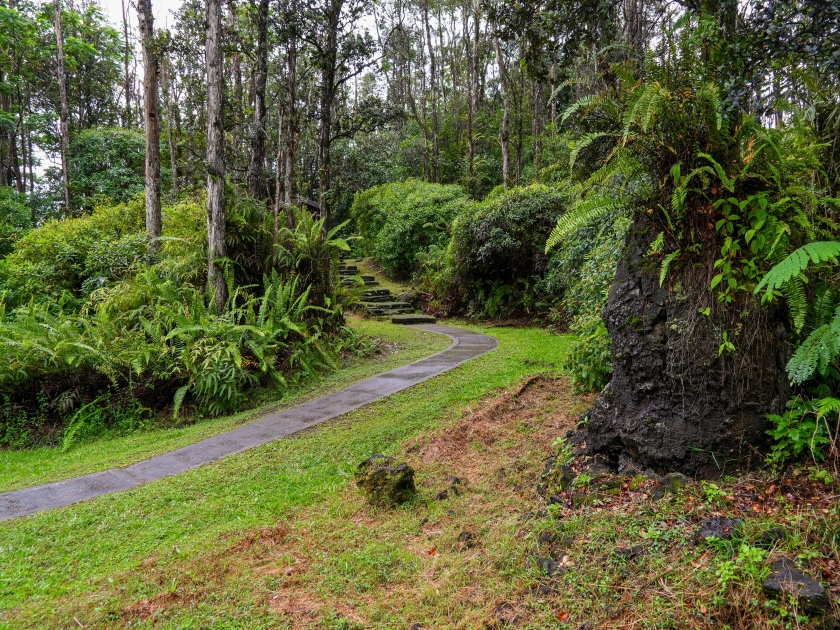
[205, 216]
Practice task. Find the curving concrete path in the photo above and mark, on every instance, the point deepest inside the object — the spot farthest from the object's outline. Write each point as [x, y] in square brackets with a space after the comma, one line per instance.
[466, 345]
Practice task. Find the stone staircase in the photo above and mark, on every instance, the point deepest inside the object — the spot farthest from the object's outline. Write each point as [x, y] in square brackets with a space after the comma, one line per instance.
[381, 302]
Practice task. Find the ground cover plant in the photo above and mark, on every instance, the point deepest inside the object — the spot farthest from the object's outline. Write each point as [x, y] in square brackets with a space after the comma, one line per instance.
[628, 554]
[185, 514]
[642, 197]
[112, 447]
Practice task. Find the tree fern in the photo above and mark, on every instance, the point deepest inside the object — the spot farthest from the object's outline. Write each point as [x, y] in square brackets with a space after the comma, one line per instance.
[793, 266]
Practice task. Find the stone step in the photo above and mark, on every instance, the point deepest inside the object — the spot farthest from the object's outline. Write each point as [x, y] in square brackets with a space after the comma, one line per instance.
[387, 312]
[380, 305]
[371, 278]
[376, 292]
[378, 298]
[414, 318]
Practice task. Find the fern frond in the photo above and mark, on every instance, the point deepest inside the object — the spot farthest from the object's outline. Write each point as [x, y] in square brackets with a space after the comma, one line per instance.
[582, 143]
[584, 102]
[817, 352]
[794, 292]
[579, 216]
[792, 266]
[667, 263]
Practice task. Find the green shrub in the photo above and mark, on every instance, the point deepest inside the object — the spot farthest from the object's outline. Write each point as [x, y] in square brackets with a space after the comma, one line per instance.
[590, 361]
[61, 256]
[15, 219]
[497, 254]
[402, 220]
[107, 166]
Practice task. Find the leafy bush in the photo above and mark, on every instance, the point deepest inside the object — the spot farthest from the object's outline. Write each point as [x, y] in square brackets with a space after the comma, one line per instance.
[92, 318]
[590, 361]
[402, 220]
[15, 219]
[107, 166]
[497, 253]
[75, 255]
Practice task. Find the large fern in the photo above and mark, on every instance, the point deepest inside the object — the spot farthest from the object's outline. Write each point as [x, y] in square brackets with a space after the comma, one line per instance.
[794, 265]
[817, 352]
[580, 215]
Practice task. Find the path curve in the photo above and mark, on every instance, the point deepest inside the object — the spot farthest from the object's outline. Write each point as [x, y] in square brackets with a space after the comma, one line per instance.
[466, 345]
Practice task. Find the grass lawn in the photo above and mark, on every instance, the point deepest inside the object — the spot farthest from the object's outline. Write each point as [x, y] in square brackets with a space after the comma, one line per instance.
[400, 346]
[88, 564]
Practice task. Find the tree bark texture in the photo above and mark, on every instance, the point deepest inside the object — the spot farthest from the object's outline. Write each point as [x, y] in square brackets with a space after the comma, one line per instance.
[257, 185]
[216, 166]
[64, 130]
[151, 120]
[433, 88]
[504, 130]
[329, 59]
[675, 404]
[292, 126]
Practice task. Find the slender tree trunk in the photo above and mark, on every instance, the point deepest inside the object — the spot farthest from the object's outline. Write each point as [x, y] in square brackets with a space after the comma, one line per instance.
[292, 127]
[166, 84]
[62, 119]
[278, 180]
[127, 86]
[216, 167]
[328, 90]
[473, 61]
[151, 119]
[504, 131]
[433, 86]
[257, 186]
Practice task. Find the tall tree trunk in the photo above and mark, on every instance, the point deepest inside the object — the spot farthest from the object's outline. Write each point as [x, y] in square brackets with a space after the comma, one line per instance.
[171, 116]
[504, 130]
[216, 166]
[151, 119]
[292, 127]
[433, 90]
[257, 186]
[62, 117]
[328, 91]
[127, 86]
[473, 80]
[278, 180]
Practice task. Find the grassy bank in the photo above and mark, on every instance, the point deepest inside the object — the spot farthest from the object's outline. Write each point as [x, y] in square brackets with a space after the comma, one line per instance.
[398, 346]
[92, 560]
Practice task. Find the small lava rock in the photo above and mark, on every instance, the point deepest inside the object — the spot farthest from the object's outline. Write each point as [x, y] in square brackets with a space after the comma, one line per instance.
[526, 516]
[556, 499]
[674, 482]
[506, 615]
[443, 495]
[381, 481]
[548, 566]
[630, 554]
[548, 538]
[787, 578]
[467, 539]
[722, 528]
[581, 499]
[771, 537]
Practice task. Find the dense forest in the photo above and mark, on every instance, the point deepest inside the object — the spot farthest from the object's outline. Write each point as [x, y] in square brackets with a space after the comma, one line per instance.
[658, 178]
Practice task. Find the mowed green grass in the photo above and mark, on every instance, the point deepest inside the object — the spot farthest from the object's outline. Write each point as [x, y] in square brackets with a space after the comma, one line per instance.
[51, 562]
[21, 469]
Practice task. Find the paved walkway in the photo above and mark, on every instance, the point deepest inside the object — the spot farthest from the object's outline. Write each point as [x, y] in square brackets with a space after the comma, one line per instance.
[466, 345]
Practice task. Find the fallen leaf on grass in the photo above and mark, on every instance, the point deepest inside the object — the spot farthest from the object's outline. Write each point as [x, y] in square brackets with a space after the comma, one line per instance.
[562, 616]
